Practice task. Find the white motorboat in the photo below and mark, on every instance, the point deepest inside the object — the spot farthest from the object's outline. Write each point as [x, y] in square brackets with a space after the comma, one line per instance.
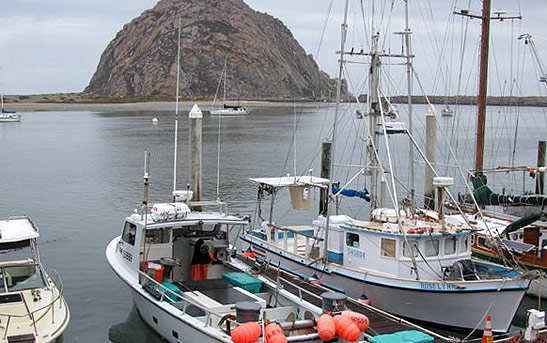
[32, 307]
[8, 116]
[186, 285]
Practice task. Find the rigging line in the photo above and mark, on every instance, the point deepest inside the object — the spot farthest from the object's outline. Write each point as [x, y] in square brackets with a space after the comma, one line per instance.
[390, 163]
[218, 156]
[479, 210]
[219, 83]
[176, 112]
[324, 30]
[294, 136]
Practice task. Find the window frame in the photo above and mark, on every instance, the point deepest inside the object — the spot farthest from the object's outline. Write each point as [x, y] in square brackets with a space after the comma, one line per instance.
[348, 234]
[453, 239]
[436, 249]
[383, 250]
[126, 234]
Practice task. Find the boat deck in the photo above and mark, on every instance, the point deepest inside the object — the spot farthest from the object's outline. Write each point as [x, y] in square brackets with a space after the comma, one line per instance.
[380, 321]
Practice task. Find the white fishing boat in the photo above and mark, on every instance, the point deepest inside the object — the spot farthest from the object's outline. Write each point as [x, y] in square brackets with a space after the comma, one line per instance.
[32, 307]
[177, 261]
[408, 261]
[227, 110]
[447, 111]
[186, 285]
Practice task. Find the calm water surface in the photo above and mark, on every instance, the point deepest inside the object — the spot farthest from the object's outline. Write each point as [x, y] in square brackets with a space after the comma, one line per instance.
[78, 174]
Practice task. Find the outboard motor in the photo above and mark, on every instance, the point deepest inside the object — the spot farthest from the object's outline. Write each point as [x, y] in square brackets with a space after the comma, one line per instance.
[461, 270]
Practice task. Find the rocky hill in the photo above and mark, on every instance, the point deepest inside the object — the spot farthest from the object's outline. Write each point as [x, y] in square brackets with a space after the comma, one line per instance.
[263, 58]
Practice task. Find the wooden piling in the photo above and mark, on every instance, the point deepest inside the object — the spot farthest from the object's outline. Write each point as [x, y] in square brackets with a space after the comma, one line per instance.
[430, 149]
[326, 156]
[542, 149]
[195, 145]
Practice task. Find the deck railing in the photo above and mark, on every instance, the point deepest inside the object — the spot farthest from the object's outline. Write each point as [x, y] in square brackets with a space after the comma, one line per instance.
[57, 282]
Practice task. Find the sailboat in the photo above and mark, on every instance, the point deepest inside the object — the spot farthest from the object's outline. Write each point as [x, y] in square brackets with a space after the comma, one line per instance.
[186, 284]
[408, 261]
[6, 115]
[227, 110]
[508, 227]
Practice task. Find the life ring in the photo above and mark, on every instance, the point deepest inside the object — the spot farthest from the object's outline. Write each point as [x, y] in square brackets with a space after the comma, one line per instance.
[416, 230]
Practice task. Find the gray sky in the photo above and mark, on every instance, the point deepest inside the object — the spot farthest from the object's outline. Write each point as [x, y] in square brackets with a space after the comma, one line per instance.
[51, 46]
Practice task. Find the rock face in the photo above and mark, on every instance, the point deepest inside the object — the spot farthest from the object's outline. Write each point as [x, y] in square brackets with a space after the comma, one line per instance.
[263, 58]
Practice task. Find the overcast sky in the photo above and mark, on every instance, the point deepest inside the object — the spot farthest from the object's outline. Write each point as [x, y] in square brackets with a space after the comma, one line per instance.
[49, 46]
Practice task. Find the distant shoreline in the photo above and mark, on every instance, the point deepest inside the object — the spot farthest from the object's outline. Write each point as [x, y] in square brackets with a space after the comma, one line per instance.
[84, 102]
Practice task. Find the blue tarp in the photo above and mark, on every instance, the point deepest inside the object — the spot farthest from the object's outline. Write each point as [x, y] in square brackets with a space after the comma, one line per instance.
[411, 336]
[352, 193]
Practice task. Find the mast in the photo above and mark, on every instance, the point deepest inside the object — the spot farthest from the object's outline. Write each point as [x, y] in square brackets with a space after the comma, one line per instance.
[225, 75]
[483, 87]
[176, 117]
[374, 112]
[407, 34]
[344, 30]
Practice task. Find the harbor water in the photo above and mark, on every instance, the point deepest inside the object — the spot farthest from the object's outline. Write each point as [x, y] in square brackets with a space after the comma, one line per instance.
[78, 174]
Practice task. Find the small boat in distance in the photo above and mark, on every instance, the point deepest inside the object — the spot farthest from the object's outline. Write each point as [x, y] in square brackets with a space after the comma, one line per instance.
[6, 115]
[447, 111]
[32, 308]
[227, 110]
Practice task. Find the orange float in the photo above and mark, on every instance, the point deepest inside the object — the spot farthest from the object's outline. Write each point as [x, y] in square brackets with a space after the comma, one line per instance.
[274, 334]
[358, 319]
[326, 328]
[249, 254]
[246, 333]
[346, 329]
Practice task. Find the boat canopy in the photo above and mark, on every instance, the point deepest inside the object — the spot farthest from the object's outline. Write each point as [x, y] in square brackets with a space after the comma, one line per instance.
[287, 181]
[17, 229]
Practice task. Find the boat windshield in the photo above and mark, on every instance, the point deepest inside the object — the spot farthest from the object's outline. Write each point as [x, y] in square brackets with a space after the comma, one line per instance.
[15, 251]
[21, 277]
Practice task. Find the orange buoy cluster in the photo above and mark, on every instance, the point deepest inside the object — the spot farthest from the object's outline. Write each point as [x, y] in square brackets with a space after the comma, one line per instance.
[346, 329]
[274, 334]
[246, 333]
[326, 328]
[348, 325]
[358, 319]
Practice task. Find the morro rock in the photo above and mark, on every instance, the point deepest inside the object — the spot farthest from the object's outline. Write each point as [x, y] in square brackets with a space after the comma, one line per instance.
[263, 58]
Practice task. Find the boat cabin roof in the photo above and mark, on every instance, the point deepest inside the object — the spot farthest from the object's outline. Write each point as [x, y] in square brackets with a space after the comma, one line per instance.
[190, 219]
[17, 229]
[286, 181]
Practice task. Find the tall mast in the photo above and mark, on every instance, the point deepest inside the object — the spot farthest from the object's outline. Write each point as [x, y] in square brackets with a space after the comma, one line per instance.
[407, 34]
[336, 112]
[374, 113]
[176, 116]
[225, 75]
[483, 86]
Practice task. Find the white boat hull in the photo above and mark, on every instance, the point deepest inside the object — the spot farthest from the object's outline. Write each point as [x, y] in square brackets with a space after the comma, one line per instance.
[229, 112]
[538, 287]
[10, 119]
[435, 302]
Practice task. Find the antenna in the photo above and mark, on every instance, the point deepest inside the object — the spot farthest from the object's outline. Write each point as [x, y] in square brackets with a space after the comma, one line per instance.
[176, 116]
[146, 178]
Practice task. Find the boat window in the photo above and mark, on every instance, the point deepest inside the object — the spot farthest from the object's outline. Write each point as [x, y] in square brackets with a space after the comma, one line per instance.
[481, 241]
[23, 277]
[464, 245]
[129, 233]
[389, 247]
[450, 245]
[406, 248]
[158, 236]
[432, 247]
[352, 240]
[543, 243]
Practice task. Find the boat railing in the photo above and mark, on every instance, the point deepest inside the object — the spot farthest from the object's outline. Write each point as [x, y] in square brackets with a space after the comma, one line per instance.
[165, 294]
[56, 280]
[296, 234]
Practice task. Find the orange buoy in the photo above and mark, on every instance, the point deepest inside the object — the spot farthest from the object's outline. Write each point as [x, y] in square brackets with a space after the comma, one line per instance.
[249, 254]
[274, 334]
[346, 329]
[246, 333]
[358, 319]
[326, 328]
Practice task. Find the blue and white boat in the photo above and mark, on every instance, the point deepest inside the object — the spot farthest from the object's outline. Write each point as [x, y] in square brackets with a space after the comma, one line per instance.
[413, 265]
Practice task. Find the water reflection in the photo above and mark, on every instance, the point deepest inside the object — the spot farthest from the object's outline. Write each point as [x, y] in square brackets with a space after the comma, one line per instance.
[133, 330]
